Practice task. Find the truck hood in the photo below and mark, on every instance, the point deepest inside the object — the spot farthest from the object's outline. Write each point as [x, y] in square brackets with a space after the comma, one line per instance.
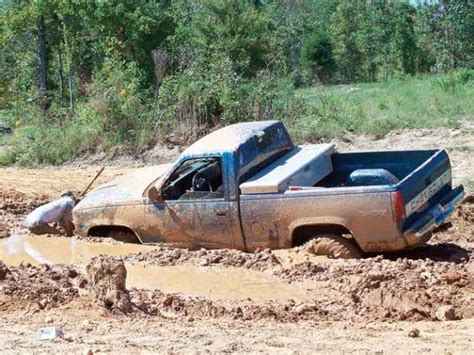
[124, 190]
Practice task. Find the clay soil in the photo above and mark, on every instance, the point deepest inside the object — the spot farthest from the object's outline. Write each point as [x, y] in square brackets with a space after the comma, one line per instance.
[417, 301]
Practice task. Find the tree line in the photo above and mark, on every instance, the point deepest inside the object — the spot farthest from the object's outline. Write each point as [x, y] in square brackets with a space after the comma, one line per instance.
[128, 67]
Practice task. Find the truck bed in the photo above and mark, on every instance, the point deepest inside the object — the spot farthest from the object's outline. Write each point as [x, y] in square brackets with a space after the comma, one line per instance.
[398, 163]
[319, 166]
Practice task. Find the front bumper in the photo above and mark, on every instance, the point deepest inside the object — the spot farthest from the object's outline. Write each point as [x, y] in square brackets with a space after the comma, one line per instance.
[420, 231]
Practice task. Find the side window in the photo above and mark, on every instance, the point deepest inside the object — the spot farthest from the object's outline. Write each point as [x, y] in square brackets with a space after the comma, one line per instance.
[197, 178]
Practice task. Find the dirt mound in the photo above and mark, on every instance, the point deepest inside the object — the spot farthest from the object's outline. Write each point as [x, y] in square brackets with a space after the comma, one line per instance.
[107, 278]
[46, 286]
[156, 303]
[465, 211]
[377, 288]
[18, 203]
[462, 221]
[165, 256]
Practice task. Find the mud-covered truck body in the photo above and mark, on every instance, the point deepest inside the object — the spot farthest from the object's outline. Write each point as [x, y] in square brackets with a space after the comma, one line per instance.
[246, 186]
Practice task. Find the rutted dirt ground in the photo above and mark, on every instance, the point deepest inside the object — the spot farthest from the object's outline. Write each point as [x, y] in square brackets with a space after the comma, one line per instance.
[228, 301]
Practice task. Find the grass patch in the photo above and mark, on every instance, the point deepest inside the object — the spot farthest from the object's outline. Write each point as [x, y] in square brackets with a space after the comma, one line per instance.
[377, 108]
[469, 185]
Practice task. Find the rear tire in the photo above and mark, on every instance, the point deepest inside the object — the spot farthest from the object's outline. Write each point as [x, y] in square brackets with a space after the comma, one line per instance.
[333, 246]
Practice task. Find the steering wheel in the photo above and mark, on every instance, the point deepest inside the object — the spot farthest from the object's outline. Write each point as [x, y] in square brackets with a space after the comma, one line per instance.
[200, 182]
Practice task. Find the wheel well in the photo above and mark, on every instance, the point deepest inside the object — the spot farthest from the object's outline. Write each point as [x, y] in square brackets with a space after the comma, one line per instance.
[303, 234]
[106, 231]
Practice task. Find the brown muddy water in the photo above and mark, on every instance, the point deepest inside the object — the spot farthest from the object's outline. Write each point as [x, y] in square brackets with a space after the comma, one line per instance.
[212, 283]
[39, 249]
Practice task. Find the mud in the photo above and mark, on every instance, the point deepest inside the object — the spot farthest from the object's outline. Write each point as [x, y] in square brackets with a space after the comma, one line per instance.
[285, 285]
[14, 205]
[37, 288]
[351, 291]
[227, 300]
[18, 203]
[259, 260]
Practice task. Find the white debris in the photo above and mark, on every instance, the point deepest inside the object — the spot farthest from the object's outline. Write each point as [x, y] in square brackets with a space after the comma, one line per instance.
[49, 333]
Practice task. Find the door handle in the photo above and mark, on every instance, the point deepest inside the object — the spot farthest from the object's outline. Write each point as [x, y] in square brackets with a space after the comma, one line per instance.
[220, 212]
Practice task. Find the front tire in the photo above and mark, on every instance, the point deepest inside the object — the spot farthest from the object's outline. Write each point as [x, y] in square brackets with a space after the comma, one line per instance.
[123, 236]
[333, 246]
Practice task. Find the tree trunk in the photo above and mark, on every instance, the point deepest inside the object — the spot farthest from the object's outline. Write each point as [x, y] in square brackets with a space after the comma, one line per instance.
[69, 73]
[43, 64]
[61, 74]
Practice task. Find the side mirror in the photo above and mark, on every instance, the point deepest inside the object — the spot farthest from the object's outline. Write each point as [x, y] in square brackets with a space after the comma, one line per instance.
[154, 195]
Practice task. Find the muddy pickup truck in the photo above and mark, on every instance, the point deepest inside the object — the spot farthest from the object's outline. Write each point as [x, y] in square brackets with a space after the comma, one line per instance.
[246, 186]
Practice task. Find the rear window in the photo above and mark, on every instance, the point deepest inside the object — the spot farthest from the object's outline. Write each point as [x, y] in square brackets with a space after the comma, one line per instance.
[262, 149]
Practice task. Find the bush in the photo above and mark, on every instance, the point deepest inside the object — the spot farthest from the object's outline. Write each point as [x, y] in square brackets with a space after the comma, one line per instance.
[118, 103]
[117, 111]
[464, 75]
[201, 98]
[32, 146]
[454, 81]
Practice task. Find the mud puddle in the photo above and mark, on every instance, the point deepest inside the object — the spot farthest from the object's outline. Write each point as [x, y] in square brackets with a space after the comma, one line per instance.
[213, 283]
[58, 250]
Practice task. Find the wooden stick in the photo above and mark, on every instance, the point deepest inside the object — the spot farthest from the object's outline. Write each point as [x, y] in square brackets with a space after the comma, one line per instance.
[90, 184]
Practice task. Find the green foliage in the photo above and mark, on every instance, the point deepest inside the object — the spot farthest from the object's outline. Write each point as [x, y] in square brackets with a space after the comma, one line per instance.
[128, 73]
[317, 56]
[454, 81]
[202, 99]
[374, 40]
[117, 102]
[31, 146]
[450, 27]
[344, 29]
[235, 30]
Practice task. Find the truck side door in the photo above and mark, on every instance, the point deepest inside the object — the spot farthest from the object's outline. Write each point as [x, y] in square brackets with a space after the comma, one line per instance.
[196, 211]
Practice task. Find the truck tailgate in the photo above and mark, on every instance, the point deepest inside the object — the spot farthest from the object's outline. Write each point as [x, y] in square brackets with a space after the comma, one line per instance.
[425, 185]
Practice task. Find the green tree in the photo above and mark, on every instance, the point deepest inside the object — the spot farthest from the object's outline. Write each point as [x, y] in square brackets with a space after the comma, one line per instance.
[317, 56]
[344, 29]
[452, 30]
[236, 30]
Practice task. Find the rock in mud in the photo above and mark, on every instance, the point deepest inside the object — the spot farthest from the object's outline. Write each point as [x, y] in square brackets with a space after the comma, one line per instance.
[414, 333]
[3, 231]
[446, 313]
[451, 277]
[3, 271]
[107, 277]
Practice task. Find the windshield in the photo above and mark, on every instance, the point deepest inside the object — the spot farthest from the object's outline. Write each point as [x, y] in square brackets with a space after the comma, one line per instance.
[195, 178]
